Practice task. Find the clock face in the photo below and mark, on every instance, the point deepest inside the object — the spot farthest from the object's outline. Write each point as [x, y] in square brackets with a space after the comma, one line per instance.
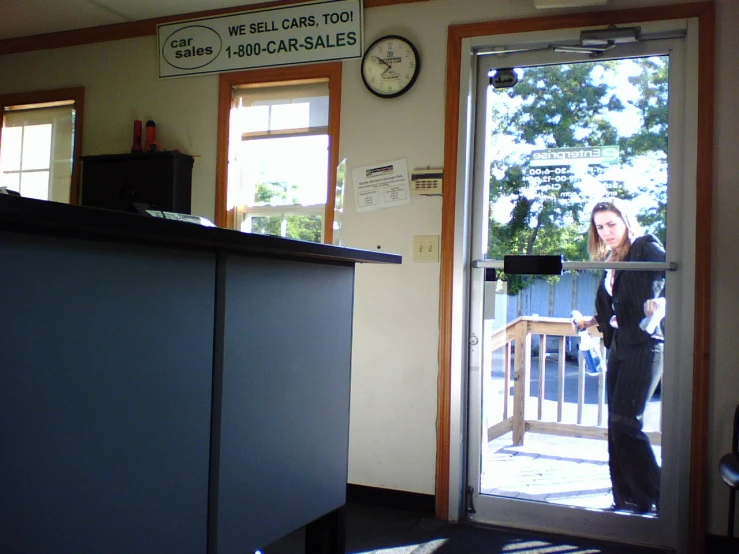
[390, 66]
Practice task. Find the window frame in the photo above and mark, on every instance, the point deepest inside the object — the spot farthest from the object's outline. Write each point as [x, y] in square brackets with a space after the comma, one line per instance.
[283, 76]
[77, 96]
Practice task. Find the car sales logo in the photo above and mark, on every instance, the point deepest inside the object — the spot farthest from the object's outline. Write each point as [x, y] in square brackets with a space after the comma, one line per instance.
[192, 47]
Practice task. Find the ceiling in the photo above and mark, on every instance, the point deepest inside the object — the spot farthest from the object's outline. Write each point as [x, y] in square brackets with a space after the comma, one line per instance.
[20, 18]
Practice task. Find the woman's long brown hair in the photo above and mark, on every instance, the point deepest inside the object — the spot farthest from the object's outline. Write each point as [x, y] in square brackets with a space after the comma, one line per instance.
[597, 248]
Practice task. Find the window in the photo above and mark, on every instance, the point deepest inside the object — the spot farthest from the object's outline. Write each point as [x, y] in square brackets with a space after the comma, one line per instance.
[39, 143]
[277, 172]
[35, 141]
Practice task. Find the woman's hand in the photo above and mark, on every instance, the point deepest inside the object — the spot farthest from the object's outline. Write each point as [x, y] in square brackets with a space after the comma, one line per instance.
[654, 310]
[583, 323]
[654, 305]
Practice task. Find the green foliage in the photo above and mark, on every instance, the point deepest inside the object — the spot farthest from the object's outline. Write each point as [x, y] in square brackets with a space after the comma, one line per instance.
[305, 227]
[301, 227]
[561, 103]
[652, 85]
[274, 192]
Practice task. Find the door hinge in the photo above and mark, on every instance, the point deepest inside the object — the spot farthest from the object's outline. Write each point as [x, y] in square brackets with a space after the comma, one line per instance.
[470, 504]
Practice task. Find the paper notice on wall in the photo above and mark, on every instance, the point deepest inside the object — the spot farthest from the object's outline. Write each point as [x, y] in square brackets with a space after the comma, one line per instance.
[381, 186]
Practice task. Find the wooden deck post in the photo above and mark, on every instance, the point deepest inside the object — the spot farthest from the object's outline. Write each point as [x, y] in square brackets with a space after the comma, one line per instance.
[542, 375]
[561, 367]
[522, 380]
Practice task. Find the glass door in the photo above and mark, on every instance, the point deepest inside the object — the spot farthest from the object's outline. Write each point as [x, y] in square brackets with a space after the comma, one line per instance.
[573, 191]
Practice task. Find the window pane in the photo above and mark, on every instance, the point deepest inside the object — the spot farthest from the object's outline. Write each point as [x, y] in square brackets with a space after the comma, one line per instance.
[319, 111]
[294, 226]
[40, 138]
[284, 171]
[11, 180]
[10, 149]
[35, 185]
[254, 119]
[62, 157]
[290, 116]
[36, 146]
[283, 107]
[304, 227]
[263, 225]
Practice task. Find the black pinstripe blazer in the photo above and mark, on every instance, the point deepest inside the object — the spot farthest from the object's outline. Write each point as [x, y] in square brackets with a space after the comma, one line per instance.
[630, 290]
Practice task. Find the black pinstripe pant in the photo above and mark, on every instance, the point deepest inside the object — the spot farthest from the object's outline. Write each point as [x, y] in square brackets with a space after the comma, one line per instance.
[632, 376]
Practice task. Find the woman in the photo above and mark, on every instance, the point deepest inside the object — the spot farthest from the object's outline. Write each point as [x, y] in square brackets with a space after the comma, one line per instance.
[634, 354]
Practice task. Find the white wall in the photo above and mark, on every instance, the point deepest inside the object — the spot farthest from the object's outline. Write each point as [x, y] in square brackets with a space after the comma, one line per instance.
[724, 390]
[121, 85]
[393, 424]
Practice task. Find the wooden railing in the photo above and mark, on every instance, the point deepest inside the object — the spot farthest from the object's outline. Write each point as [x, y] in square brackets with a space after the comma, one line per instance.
[515, 340]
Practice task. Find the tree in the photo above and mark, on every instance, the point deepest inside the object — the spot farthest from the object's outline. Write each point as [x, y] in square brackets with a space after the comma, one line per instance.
[567, 106]
[302, 227]
[652, 83]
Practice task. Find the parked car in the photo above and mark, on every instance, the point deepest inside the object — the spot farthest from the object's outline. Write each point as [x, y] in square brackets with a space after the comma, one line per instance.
[552, 350]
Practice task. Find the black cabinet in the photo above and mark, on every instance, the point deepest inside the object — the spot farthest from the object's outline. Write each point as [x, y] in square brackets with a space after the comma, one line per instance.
[117, 181]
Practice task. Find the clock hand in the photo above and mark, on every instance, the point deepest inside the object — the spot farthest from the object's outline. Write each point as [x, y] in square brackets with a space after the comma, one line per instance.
[379, 59]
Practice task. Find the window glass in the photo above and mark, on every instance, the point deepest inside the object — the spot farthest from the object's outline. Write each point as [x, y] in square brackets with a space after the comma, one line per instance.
[290, 116]
[36, 147]
[36, 151]
[255, 119]
[283, 171]
[300, 227]
[10, 149]
[11, 180]
[35, 184]
[279, 159]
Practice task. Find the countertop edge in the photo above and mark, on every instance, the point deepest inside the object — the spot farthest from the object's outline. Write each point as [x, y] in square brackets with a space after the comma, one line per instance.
[28, 215]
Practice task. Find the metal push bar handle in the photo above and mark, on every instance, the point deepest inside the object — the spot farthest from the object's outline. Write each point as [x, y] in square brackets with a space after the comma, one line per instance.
[620, 266]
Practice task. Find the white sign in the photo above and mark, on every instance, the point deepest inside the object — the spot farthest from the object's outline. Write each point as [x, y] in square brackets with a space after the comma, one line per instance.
[294, 34]
[381, 186]
[590, 155]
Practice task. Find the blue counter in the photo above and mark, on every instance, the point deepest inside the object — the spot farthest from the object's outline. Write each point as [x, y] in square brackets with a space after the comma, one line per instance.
[167, 387]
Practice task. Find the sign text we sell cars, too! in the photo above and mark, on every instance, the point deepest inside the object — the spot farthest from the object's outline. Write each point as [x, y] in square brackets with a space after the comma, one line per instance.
[299, 33]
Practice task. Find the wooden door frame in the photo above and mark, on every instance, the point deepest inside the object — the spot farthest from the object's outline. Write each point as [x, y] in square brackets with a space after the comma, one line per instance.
[704, 12]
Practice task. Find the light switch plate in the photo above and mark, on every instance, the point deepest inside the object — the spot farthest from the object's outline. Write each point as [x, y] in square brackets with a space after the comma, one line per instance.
[425, 248]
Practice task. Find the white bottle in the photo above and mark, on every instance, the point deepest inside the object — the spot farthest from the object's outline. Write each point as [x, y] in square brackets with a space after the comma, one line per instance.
[589, 345]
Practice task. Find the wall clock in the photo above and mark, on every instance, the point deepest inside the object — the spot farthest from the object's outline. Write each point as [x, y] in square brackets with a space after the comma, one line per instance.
[390, 66]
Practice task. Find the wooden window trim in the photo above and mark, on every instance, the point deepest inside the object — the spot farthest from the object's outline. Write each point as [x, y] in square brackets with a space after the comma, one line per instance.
[77, 96]
[285, 133]
[227, 81]
[705, 13]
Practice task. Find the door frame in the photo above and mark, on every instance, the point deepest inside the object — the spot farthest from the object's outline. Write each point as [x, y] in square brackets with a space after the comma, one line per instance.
[450, 462]
[669, 530]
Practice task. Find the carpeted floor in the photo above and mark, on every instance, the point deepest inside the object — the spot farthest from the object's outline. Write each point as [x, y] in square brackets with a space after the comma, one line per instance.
[372, 530]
